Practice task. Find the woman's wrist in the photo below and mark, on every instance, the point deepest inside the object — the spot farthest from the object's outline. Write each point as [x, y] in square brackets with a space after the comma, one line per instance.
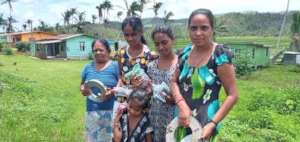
[213, 122]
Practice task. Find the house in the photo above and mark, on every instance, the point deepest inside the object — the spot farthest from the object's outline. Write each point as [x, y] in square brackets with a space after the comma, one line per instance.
[257, 54]
[290, 57]
[13, 38]
[71, 46]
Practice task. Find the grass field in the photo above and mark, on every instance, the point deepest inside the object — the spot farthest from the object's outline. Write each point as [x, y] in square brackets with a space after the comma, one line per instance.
[267, 41]
[40, 101]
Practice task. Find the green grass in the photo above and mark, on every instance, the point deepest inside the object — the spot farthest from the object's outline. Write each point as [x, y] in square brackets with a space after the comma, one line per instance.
[265, 40]
[40, 101]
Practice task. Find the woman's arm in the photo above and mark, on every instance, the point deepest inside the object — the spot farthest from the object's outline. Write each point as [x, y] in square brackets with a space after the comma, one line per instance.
[149, 137]
[184, 110]
[227, 76]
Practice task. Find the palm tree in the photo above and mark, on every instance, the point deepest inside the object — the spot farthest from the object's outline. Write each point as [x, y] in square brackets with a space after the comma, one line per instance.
[24, 26]
[107, 6]
[119, 14]
[167, 16]
[94, 17]
[100, 12]
[9, 2]
[81, 21]
[10, 21]
[134, 7]
[2, 22]
[57, 27]
[156, 7]
[73, 12]
[29, 23]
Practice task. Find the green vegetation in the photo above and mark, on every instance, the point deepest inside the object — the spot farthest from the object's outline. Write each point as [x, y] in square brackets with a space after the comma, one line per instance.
[7, 51]
[23, 47]
[40, 101]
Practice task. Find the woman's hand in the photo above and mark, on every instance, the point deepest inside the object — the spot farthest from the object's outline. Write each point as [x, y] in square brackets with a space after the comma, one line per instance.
[184, 117]
[108, 94]
[208, 130]
[84, 91]
[117, 130]
[136, 81]
[169, 99]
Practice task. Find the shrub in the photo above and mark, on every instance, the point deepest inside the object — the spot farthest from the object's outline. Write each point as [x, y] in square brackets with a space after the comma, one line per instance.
[23, 47]
[1, 46]
[7, 51]
[243, 65]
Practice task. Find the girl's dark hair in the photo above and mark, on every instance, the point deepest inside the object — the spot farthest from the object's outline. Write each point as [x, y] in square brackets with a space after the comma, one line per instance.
[104, 42]
[140, 96]
[205, 12]
[136, 24]
[163, 29]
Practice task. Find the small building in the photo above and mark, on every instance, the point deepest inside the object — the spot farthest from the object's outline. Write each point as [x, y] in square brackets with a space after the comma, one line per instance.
[13, 38]
[71, 46]
[290, 57]
[257, 54]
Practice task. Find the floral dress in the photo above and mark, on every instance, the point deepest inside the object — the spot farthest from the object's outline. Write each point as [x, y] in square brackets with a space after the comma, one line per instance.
[139, 133]
[126, 62]
[160, 113]
[200, 86]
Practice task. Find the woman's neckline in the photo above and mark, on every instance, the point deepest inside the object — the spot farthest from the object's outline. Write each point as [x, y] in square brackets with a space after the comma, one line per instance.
[144, 49]
[104, 67]
[215, 45]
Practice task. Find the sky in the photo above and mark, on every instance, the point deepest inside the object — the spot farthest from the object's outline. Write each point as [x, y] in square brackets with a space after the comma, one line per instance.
[51, 11]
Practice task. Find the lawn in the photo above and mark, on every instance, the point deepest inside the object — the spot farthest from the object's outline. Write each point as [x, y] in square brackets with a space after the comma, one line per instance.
[40, 101]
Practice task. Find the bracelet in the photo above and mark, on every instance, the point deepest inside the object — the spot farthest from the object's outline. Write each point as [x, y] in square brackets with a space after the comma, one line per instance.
[181, 99]
[214, 122]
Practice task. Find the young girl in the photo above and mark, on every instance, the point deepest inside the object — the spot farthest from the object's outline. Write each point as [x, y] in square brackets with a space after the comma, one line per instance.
[133, 124]
[136, 52]
[161, 71]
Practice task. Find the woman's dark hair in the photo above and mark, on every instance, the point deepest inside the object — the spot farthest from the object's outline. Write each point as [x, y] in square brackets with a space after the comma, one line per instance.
[140, 96]
[205, 12]
[136, 24]
[104, 42]
[163, 29]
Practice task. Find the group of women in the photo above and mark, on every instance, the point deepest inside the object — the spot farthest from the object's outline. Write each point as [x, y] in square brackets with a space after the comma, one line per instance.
[194, 76]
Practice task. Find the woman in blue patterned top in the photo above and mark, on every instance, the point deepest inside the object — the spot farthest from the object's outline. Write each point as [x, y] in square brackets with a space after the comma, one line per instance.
[99, 113]
[204, 66]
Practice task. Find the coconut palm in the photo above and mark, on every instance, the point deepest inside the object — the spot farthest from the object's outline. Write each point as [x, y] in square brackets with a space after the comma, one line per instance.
[94, 17]
[10, 21]
[9, 2]
[24, 26]
[107, 6]
[119, 14]
[167, 17]
[156, 7]
[29, 23]
[2, 21]
[73, 12]
[100, 12]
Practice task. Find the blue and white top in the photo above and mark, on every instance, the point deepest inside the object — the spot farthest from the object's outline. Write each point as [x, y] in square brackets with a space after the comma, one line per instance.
[109, 76]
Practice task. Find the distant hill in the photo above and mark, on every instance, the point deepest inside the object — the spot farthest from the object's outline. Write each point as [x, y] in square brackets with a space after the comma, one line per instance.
[229, 24]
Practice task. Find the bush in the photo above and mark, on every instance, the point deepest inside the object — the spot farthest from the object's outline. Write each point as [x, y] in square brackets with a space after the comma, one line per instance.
[243, 65]
[7, 51]
[1, 46]
[23, 47]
